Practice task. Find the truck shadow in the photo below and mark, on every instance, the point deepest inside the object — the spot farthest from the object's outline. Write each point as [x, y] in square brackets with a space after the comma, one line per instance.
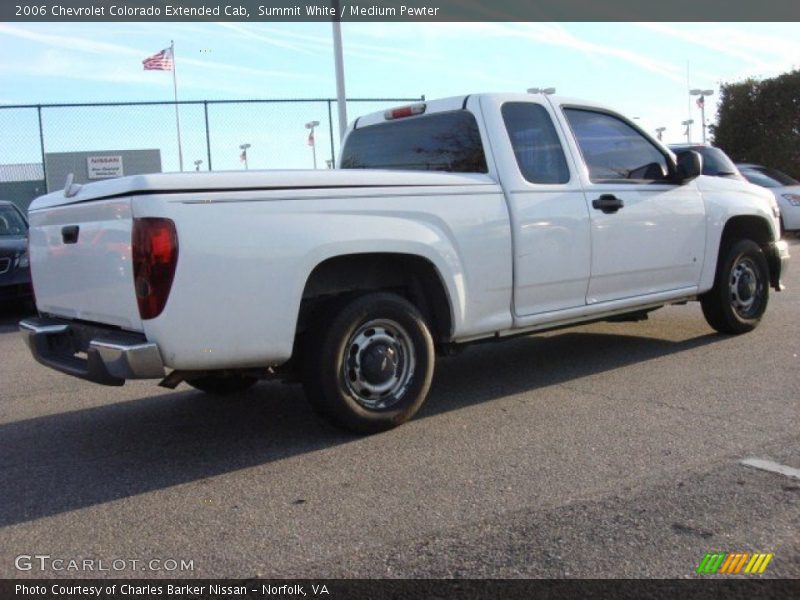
[61, 462]
[498, 369]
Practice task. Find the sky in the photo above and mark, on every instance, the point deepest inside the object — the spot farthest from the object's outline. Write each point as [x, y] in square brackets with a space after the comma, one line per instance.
[639, 69]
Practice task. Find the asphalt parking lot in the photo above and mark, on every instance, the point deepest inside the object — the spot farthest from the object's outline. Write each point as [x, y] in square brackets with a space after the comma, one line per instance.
[609, 450]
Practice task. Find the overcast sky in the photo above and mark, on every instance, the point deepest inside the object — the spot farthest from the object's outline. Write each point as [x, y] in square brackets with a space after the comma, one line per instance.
[638, 68]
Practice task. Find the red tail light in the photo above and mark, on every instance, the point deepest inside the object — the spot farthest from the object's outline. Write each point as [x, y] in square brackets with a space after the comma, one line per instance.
[154, 247]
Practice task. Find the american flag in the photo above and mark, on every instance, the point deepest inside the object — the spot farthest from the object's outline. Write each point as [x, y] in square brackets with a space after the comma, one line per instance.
[311, 138]
[701, 101]
[161, 61]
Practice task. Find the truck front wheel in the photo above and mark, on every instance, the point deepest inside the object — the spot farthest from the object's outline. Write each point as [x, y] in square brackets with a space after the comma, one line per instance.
[741, 289]
[368, 367]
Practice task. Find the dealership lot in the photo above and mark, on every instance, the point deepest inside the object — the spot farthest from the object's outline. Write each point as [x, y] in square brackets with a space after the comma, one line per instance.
[607, 450]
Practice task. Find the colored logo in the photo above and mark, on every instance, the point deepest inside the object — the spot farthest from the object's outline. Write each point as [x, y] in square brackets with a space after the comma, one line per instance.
[733, 563]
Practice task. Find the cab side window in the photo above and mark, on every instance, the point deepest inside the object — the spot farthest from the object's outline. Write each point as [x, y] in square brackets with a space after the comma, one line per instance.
[537, 148]
[614, 151]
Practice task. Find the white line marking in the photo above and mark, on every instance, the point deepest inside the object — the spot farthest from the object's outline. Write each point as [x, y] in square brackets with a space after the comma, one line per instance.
[773, 467]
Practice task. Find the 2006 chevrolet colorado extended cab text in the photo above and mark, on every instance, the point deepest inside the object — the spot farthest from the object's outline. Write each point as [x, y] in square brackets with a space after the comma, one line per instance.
[446, 222]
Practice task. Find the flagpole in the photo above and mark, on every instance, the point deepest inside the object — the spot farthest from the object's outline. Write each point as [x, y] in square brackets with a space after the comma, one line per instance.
[175, 90]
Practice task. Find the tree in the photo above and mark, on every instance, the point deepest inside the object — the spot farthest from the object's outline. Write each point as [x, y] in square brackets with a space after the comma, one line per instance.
[759, 122]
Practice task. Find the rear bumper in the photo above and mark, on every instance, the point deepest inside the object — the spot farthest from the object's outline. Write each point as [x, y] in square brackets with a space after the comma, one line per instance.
[111, 356]
[778, 260]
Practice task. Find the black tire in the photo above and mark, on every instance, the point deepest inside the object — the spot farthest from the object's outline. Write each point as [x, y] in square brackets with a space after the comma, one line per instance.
[222, 385]
[368, 365]
[740, 294]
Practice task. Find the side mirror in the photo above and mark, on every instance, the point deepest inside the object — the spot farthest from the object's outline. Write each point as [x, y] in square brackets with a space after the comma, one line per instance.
[689, 165]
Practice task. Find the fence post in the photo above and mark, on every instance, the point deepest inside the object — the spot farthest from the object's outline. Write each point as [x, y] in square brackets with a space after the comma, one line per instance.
[41, 146]
[330, 130]
[208, 134]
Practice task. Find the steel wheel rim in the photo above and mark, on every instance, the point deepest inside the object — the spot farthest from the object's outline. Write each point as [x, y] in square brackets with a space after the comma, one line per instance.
[745, 287]
[378, 364]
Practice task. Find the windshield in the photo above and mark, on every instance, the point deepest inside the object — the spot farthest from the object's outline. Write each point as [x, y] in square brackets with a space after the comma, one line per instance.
[11, 222]
[768, 178]
[716, 162]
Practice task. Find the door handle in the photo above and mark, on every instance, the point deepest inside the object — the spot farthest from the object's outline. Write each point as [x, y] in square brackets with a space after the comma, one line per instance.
[608, 203]
[69, 234]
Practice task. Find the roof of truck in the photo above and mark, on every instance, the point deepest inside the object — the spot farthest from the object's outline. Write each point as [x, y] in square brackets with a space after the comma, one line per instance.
[460, 102]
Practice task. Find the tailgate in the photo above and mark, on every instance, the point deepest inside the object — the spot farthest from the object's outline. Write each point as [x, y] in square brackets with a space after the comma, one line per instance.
[81, 262]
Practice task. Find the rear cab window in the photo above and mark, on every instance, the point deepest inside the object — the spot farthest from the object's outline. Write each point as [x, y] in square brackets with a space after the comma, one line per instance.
[446, 141]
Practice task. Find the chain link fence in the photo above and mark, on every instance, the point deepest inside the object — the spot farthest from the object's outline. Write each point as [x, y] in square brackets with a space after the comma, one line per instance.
[212, 133]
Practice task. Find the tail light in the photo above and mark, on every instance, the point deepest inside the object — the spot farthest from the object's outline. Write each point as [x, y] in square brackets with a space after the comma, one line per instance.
[154, 248]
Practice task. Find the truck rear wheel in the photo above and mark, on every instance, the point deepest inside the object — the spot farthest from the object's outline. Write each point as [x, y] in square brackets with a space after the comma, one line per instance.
[369, 366]
[222, 385]
[739, 297]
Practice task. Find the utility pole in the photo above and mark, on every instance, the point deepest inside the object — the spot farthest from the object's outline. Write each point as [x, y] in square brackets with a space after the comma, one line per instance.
[243, 156]
[312, 140]
[338, 58]
[701, 102]
[688, 124]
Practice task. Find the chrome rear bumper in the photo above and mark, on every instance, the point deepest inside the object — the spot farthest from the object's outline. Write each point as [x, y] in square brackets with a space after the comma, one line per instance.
[111, 356]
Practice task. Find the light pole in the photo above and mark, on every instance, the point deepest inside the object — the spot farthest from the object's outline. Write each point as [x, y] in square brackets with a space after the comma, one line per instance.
[243, 155]
[197, 164]
[311, 141]
[688, 124]
[660, 132]
[338, 61]
[546, 91]
[701, 102]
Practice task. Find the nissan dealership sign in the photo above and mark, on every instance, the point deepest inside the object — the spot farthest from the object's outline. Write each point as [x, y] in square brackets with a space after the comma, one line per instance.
[103, 167]
[98, 164]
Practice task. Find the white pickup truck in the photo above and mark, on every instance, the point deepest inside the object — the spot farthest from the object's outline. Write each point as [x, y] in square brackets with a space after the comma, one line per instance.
[446, 222]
